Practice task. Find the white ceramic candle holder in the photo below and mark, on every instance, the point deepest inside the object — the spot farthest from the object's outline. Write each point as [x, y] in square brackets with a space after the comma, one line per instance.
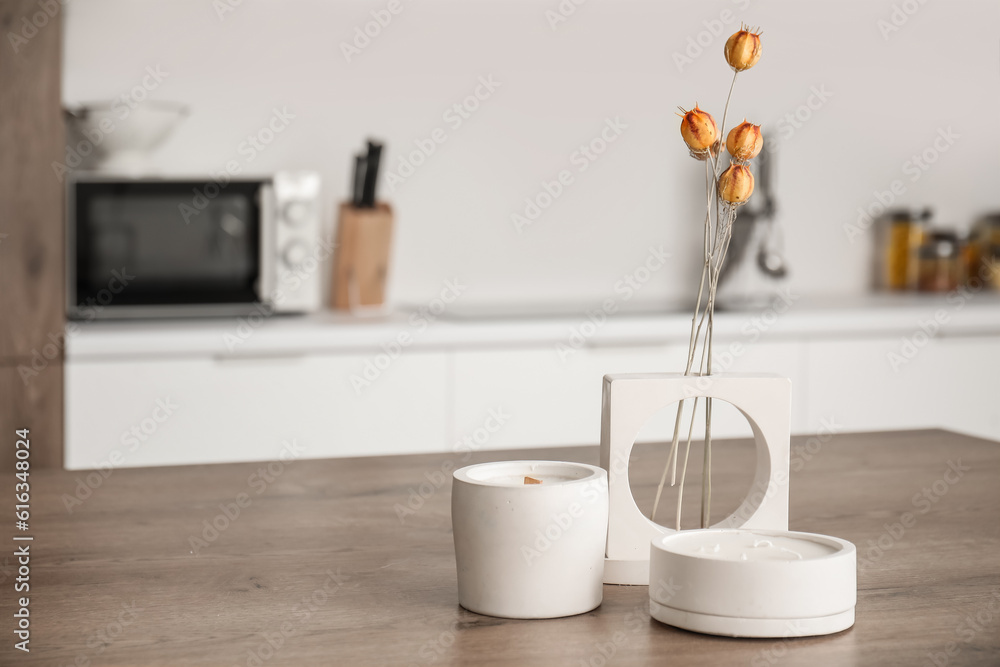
[753, 583]
[630, 400]
[530, 550]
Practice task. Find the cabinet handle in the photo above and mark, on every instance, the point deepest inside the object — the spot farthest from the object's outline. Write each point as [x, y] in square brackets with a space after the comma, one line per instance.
[258, 357]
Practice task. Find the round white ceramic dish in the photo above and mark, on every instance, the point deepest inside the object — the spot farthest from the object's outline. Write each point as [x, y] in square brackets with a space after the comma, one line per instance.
[121, 138]
[530, 550]
[753, 583]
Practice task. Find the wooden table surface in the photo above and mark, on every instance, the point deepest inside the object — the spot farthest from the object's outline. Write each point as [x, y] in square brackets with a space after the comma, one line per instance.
[320, 567]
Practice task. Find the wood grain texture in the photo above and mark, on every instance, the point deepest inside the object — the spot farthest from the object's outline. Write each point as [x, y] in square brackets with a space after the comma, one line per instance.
[36, 405]
[32, 397]
[321, 552]
[32, 137]
[32, 237]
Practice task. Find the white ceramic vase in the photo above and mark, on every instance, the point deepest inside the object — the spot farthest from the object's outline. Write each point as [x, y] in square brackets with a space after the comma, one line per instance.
[630, 400]
[530, 550]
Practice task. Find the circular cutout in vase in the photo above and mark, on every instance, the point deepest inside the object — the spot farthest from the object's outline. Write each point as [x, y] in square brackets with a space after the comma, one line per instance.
[670, 479]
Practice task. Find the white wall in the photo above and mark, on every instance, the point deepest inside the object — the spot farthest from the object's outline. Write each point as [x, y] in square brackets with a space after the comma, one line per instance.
[609, 59]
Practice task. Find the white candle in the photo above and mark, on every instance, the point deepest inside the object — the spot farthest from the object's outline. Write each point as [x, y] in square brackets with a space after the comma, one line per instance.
[518, 480]
[747, 545]
[527, 550]
[753, 583]
[512, 473]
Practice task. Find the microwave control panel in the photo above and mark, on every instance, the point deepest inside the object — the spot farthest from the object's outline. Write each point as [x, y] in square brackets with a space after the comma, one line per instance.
[298, 248]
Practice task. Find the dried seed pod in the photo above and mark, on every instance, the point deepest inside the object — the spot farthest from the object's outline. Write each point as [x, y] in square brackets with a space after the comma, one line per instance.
[744, 141]
[736, 184]
[743, 50]
[698, 130]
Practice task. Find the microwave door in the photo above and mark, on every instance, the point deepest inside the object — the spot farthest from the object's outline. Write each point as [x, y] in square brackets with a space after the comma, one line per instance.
[158, 248]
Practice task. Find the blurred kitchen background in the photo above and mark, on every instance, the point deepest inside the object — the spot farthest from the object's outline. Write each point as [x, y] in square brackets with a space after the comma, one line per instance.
[882, 100]
[527, 289]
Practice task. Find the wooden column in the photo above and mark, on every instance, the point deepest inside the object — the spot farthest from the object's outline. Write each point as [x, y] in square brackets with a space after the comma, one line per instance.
[32, 246]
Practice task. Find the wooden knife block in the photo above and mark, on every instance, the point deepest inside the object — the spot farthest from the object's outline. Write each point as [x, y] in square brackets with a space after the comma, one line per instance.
[361, 257]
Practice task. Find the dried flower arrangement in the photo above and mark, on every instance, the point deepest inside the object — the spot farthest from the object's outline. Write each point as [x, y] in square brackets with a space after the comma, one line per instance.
[726, 190]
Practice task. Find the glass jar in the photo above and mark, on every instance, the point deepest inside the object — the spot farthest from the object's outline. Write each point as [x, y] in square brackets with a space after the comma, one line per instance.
[901, 239]
[939, 266]
[981, 254]
[989, 267]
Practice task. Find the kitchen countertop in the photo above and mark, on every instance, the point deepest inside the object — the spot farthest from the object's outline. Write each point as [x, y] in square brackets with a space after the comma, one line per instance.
[961, 314]
[322, 564]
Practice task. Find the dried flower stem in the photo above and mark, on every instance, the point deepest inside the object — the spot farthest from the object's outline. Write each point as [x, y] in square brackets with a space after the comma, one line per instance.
[687, 453]
[687, 449]
[725, 113]
[716, 243]
[711, 178]
[706, 481]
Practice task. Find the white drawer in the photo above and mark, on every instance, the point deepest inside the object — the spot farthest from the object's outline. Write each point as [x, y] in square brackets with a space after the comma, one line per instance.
[243, 409]
[555, 402]
[885, 384]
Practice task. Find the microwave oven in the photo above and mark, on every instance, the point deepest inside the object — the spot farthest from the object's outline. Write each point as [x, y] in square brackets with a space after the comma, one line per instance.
[183, 247]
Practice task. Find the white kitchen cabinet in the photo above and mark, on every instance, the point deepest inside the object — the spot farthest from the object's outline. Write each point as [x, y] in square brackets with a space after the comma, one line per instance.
[548, 400]
[552, 401]
[460, 379]
[948, 383]
[244, 409]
